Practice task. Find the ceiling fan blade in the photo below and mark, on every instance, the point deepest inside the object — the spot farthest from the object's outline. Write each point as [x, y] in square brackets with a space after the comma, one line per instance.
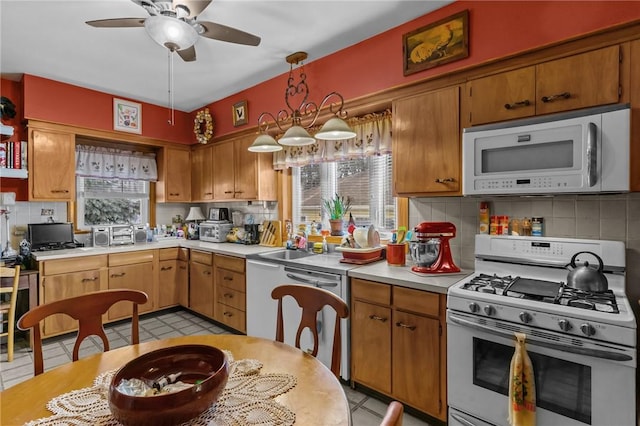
[195, 6]
[188, 54]
[117, 23]
[224, 33]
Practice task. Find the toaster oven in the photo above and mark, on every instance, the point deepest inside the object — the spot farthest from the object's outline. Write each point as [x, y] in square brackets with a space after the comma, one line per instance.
[214, 231]
[121, 235]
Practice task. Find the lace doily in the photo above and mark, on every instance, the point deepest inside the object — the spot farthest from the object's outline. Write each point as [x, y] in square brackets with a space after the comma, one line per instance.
[248, 399]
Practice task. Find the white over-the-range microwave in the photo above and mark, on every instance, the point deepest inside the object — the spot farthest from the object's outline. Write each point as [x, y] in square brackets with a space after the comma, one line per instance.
[585, 151]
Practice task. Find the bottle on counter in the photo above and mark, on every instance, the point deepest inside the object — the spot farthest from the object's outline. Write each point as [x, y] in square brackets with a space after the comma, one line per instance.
[484, 218]
[537, 225]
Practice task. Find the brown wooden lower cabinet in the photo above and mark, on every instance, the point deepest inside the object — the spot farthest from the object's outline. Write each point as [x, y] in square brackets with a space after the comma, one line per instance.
[201, 278]
[134, 271]
[230, 289]
[173, 277]
[398, 346]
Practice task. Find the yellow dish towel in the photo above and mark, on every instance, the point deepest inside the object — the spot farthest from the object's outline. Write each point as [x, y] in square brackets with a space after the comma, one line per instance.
[522, 387]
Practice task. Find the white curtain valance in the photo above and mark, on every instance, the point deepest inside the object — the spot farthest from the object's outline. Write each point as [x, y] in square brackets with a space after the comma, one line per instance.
[373, 137]
[93, 161]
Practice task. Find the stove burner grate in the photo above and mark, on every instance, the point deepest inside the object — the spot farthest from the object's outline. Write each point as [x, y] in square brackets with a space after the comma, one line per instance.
[543, 291]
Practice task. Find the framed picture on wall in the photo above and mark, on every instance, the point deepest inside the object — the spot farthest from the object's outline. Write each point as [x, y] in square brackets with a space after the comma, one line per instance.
[127, 116]
[438, 43]
[240, 113]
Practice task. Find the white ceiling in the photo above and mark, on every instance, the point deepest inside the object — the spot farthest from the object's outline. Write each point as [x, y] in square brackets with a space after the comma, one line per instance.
[49, 38]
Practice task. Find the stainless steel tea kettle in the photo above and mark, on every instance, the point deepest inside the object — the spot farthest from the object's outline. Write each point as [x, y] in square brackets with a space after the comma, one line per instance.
[586, 277]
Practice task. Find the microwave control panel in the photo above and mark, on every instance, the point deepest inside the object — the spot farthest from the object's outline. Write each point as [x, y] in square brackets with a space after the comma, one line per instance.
[555, 183]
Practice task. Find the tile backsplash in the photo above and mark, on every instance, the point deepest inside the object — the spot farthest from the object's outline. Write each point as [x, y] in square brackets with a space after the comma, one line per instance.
[605, 217]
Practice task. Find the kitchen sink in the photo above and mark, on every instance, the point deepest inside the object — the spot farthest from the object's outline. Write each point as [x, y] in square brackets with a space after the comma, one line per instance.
[286, 254]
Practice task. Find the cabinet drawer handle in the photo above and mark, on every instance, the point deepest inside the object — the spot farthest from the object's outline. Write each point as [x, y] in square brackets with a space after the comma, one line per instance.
[563, 95]
[228, 295]
[377, 318]
[208, 193]
[518, 104]
[226, 278]
[228, 192]
[445, 180]
[227, 314]
[84, 280]
[206, 272]
[183, 267]
[410, 327]
[238, 192]
[121, 274]
[166, 268]
[60, 191]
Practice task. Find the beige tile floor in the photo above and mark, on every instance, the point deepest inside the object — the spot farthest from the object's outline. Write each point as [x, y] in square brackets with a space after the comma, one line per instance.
[365, 410]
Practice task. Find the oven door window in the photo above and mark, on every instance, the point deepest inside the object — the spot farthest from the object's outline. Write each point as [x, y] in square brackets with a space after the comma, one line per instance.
[561, 386]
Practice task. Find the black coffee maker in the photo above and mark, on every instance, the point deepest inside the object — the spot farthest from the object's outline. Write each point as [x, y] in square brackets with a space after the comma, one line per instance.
[251, 234]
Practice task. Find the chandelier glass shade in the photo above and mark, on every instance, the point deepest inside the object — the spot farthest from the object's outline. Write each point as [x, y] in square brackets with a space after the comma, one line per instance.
[172, 33]
[297, 133]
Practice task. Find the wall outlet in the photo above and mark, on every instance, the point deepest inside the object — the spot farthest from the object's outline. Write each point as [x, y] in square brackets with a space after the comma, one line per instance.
[46, 212]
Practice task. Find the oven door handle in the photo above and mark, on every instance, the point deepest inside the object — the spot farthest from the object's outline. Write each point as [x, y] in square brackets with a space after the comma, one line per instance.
[559, 347]
[461, 420]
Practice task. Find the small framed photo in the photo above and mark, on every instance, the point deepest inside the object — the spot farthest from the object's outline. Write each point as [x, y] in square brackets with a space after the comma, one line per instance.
[240, 113]
[438, 43]
[127, 116]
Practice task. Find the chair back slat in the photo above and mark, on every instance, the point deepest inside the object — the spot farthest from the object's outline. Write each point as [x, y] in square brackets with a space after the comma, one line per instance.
[6, 272]
[312, 300]
[88, 310]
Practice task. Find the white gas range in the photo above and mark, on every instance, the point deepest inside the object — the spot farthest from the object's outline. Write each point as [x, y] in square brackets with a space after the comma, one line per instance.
[582, 345]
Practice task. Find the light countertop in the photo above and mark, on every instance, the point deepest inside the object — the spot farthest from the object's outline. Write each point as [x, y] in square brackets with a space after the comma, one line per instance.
[403, 276]
[231, 249]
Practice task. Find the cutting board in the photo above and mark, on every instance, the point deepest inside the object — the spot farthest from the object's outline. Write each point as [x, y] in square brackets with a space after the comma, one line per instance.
[271, 235]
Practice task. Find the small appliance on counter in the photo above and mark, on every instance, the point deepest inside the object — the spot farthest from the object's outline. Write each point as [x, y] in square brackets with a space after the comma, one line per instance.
[214, 231]
[121, 235]
[219, 214]
[432, 253]
[251, 234]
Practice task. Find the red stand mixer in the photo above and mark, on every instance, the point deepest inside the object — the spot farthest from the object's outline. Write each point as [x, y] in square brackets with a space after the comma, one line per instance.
[432, 253]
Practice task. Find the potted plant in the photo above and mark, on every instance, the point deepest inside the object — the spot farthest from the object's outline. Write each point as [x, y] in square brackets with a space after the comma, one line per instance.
[336, 207]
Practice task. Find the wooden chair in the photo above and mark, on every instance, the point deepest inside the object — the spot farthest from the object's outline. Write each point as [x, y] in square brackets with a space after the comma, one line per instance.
[393, 416]
[88, 310]
[312, 300]
[8, 310]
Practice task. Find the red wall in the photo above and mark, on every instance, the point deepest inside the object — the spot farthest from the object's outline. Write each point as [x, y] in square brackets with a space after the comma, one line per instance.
[50, 100]
[496, 29]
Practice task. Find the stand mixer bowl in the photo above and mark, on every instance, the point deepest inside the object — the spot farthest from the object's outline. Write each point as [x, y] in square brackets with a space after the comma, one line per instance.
[425, 253]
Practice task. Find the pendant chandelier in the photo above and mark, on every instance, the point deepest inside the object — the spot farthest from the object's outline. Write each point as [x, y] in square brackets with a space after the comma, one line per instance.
[297, 134]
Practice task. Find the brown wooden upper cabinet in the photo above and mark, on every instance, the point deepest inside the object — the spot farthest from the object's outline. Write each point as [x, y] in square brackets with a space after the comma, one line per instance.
[174, 179]
[202, 174]
[241, 174]
[426, 143]
[52, 165]
[575, 82]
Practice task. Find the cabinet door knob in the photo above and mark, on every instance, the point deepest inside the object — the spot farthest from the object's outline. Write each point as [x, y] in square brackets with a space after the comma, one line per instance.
[403, 325]
[377, 318]
[518, 104]
[559, 96]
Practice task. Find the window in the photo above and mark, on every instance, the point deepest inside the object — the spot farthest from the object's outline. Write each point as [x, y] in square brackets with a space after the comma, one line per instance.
[366, 180]
[109, 201]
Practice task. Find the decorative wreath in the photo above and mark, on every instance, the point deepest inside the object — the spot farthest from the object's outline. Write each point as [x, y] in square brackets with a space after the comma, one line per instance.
[203, 117]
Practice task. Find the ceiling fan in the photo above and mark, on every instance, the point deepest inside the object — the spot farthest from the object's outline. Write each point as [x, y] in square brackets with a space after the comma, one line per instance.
[174, 25]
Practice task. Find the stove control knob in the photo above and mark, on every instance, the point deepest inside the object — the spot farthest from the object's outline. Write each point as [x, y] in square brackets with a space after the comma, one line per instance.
[473, 307]
[587, 329]
[489, 310]
[525, 317]
[564, 325]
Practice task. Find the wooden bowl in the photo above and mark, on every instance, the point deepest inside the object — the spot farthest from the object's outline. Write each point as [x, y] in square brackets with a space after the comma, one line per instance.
[205, 365]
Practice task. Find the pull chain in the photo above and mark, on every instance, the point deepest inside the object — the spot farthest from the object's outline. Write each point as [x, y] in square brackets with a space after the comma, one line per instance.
[170, 59]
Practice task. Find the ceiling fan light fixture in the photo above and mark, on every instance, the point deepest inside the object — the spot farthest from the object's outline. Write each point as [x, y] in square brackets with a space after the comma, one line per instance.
[296, 136]
[335, 129]
[265, 143]
[172, 33]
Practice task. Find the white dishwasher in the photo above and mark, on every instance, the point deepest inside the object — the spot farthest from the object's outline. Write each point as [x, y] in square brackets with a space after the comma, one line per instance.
[263, 276]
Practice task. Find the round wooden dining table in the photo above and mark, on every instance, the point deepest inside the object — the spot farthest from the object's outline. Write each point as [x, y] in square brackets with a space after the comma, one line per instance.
[317, 398]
